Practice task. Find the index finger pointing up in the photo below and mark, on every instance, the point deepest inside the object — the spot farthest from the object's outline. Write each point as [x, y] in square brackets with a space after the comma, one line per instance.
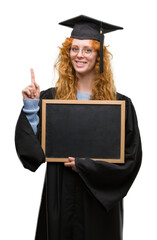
[32, 76]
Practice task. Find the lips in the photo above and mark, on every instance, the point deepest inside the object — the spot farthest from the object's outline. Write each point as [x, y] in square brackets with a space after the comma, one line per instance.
[80, 63]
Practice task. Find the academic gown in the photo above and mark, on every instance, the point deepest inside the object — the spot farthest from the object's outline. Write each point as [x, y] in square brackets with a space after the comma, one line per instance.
[87, 204]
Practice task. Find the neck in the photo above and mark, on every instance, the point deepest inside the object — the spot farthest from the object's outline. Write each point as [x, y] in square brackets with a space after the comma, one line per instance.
[85, 82]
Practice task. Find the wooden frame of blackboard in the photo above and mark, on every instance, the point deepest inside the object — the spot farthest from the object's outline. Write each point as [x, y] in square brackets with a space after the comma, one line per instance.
[74, 104]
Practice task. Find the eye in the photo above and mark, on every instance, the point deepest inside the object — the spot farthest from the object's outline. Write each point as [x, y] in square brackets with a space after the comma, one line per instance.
[87, 50]
[75, 49]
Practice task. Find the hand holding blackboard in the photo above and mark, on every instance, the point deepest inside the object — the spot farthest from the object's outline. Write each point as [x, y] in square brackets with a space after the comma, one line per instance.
[71, 163]
[32, 91]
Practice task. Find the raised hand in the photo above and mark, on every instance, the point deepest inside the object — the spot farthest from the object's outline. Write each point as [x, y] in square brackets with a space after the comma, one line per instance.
[32, 91]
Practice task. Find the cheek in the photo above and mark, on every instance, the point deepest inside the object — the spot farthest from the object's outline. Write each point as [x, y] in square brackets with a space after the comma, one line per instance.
[93, 60]
[72, 59]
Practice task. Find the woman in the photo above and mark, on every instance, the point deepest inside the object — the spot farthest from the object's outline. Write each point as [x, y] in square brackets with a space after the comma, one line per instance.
[82, 199]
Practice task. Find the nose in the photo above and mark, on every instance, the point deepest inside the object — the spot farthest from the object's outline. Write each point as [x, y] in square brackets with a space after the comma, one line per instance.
[80, 53]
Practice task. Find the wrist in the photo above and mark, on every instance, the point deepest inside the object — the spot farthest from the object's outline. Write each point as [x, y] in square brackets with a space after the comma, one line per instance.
[31, 104]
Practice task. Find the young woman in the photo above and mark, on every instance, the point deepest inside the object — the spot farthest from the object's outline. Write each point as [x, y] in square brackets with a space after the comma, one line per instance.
[82, 199]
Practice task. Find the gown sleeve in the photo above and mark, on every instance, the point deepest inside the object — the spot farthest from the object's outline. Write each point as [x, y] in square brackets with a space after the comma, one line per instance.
[27, 143]
[108, 182]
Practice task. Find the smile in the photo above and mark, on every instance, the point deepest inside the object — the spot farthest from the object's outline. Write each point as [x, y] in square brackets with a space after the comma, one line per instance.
[80, 63]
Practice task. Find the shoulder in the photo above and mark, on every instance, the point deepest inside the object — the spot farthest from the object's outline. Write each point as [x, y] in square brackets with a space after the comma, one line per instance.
[122, 97]
[48, 94]
[125, 98]
[128, 103]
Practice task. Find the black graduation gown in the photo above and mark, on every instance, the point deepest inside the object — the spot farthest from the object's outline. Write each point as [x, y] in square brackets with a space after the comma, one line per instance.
[86, 205]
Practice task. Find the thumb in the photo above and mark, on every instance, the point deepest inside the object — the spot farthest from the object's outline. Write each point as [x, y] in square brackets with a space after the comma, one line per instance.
[71, 159]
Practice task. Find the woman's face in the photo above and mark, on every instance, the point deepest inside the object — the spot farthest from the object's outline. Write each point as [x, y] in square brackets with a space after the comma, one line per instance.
[83, 56]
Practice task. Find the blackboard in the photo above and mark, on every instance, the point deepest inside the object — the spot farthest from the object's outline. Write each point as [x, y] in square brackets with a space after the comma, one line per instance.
[86, 129]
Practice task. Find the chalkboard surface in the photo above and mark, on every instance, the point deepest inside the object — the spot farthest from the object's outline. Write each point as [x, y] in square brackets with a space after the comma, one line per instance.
[83, 129]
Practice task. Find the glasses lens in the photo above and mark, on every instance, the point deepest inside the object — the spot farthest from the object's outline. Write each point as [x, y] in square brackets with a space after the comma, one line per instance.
[86, 52]
[74, 50]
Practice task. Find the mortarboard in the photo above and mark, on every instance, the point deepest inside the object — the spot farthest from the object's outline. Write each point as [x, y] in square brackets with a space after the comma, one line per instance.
[89, 28]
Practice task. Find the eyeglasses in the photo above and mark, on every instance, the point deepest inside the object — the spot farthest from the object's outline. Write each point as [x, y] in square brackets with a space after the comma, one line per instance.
[86, 52]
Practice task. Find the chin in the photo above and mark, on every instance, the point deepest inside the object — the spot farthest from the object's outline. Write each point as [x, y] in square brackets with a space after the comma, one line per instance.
[81, 71]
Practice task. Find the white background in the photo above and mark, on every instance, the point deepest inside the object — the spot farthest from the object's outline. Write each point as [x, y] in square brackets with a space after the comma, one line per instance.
[29, 37]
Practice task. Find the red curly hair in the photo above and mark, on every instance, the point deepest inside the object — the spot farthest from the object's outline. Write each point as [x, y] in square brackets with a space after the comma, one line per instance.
[66, 86]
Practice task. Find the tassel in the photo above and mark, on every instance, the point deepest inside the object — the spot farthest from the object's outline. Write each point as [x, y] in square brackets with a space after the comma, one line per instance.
[101, 50]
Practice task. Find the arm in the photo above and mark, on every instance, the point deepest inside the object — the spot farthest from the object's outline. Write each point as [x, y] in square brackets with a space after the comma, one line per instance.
[107, 182]
[27, 143]
[31, 108]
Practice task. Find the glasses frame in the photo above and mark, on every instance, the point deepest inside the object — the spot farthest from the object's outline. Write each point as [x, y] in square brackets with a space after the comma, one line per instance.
[82, 51]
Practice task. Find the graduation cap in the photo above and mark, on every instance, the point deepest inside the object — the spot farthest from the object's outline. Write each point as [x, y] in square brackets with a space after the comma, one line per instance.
[89, 28]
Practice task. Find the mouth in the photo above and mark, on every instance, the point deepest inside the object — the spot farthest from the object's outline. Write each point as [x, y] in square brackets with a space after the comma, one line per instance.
[80, 63]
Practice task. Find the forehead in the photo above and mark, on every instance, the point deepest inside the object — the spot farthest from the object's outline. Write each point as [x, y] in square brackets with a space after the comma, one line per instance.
[82, 43]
